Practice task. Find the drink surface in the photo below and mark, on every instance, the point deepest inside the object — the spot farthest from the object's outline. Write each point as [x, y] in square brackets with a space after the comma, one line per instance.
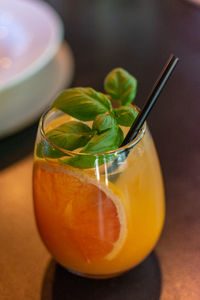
[97, 222]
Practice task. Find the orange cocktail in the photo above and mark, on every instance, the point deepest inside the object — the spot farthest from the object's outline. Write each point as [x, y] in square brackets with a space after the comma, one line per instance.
[102, 220]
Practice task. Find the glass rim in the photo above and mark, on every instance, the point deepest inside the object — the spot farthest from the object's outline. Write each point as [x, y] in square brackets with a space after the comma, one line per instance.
[72, 153]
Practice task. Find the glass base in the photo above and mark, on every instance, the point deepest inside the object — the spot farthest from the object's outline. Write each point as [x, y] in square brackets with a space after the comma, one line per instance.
[95, 276]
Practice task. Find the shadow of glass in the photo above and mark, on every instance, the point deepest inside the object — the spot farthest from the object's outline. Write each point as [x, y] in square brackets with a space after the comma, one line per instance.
[141, 283]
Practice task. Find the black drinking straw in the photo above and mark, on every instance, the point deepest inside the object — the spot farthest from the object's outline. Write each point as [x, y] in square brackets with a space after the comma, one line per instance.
[139, 121]
[151, 100]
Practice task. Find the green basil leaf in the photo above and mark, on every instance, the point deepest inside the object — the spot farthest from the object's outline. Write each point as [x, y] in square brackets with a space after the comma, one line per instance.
[69, 136]
[120, 137]
[125, 115]
[121, 85]
[44, 149]
[103, 142]
[81, 162]
[103, 122]
[82, 103]
[88, 161]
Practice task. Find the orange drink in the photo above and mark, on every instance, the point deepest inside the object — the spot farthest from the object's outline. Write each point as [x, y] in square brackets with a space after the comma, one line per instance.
[101, 220]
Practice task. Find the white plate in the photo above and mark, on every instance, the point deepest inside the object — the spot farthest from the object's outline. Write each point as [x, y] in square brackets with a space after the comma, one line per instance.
[24, 103]
[30, 35]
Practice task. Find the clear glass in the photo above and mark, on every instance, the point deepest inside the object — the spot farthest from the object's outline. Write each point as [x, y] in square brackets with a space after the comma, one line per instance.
[103, 220]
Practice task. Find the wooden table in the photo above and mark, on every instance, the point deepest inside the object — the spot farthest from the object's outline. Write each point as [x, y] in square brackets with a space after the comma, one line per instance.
[139, 36]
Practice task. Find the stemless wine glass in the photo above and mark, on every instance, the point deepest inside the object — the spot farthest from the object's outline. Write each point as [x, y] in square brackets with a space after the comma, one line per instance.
[98, 214]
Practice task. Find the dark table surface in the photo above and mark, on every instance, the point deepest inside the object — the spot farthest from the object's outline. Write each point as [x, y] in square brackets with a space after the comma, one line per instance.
[138, 35]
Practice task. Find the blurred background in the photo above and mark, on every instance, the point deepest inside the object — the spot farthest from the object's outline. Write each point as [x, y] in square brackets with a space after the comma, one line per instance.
[46, 46]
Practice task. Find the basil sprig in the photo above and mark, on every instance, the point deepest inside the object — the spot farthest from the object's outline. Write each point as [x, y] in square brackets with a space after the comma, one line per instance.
[105, 141]
[125, 115]
[104, 122]
[120, 85]
[82, 103]
[86, 104]
[68, 136]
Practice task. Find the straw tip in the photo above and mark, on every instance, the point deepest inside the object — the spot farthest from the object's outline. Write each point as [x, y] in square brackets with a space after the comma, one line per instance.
[174, 57]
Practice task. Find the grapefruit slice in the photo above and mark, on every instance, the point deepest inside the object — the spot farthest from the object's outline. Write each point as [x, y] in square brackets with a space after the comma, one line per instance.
[92, 212]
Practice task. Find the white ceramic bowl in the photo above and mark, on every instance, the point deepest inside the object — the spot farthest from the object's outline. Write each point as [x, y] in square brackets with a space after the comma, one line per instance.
[30, 35]
[25, 102]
